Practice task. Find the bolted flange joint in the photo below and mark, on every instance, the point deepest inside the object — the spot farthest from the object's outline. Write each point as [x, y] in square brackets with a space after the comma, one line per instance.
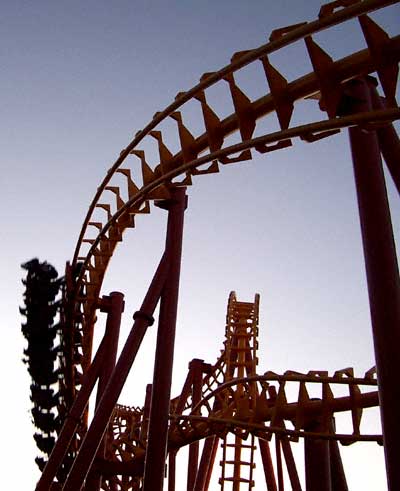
[142, 315]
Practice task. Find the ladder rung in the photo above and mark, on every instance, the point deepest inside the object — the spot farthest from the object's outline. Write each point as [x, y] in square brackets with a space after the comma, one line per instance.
[232, 445]
[235, 479]
[241, 462]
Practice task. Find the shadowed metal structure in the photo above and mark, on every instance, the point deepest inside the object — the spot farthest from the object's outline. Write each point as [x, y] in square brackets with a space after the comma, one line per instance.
[228, 403]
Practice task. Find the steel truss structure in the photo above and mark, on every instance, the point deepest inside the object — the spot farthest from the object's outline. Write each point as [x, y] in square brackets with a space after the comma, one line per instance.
[228, 403]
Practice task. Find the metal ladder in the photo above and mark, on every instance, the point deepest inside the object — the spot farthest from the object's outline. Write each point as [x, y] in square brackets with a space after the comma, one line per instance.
[237, 464]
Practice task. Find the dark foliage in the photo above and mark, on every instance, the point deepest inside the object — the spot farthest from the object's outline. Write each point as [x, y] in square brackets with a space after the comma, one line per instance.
[44, 443]
[40, 462]
[42, 287]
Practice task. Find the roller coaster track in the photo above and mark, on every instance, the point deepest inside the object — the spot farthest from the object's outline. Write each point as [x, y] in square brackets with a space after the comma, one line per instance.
[240, 410]
[326, 82]
[147, 179]
[275, 411]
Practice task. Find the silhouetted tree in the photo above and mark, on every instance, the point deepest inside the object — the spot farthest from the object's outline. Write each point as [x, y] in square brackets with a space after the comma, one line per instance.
[42, 286]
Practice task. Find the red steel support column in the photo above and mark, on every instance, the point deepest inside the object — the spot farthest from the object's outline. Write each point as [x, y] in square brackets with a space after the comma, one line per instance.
[279, 462]
[196, 367]
[159, 410]
[171, 470]
[143, 318]
[290, 464]
[114, 306]
[206, 463]
[382, 275]
[287, 451]
[267, 464]
[211, 463]
[72, 421]
[146, 412]
[317, 460]
[338, 476]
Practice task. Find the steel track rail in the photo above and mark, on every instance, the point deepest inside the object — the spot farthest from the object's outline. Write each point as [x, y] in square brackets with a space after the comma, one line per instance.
[260, 429]
[362, 7]
[361, 63]
[386, 115]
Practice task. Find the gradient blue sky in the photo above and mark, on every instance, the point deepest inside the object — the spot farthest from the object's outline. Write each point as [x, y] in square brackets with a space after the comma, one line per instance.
[78, 80]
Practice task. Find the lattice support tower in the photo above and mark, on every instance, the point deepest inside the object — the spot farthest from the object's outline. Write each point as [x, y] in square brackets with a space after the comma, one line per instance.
[241, 345]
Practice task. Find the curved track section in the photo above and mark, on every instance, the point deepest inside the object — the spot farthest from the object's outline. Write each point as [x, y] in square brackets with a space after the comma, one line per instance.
[146, 177]
[274, 408]
[120, 203]
[243, 411]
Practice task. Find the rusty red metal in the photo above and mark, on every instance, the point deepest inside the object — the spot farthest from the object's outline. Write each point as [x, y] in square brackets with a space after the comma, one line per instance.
[73, 420]
[279, 466]
[114, 306]
[317, 460]
[338, 476]
[382, 271]
[269, 472]
[206, 463]
[389, 142]
[290, 464]
[143, 318]
[159, 410]
[247, 408]
[171, 469]
[196, 369]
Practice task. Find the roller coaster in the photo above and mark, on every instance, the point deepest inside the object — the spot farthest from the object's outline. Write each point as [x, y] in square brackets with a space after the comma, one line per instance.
[228, 404]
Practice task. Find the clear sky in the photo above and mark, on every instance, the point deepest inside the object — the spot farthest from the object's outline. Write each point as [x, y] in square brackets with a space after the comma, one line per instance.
[78, 80]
